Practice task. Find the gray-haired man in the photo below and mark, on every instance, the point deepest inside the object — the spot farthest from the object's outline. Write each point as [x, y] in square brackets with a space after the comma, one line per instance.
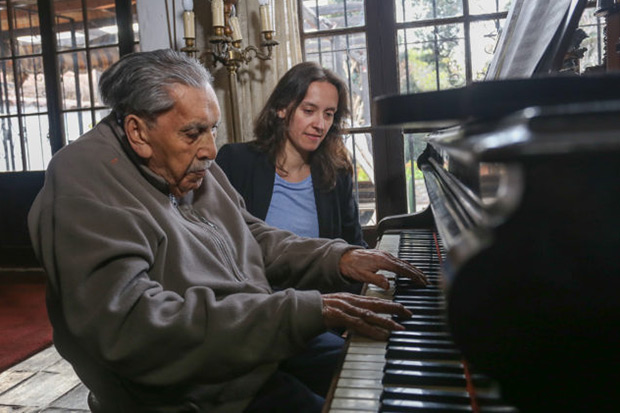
[160, 281]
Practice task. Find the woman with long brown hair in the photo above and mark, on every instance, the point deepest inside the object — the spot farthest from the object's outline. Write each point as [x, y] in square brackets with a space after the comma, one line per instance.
[297, 174]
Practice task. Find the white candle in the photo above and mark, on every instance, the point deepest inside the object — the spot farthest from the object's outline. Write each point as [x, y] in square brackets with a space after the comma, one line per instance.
[188, 24]
[265, 17]
[236, 29]
[217, 12]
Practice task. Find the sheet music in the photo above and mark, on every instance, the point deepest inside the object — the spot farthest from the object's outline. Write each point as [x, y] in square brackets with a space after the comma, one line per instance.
[529, 29]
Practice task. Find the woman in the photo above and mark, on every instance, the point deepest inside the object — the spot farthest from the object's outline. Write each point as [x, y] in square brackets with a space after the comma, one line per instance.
[297, 174]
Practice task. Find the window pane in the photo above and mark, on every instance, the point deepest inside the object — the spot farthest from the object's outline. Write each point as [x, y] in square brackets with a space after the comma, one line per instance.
[431, 58]
[417, 197]
[100, 60]
[346, 55]
[484, 36]
[359, 146]
[135, 26]
[102, 28]
[100, 114]
[331, 14]
[69, 25]
[413, 10]
[594, 44]
[77, 123]
[26, 28]
[75, 89]
[5, 50]
[7, 89]
[38, 148]
[10, 151]
[31, 85]
[488, 6]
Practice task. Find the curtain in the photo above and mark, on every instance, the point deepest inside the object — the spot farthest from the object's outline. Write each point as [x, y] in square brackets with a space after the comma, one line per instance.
[258, 78]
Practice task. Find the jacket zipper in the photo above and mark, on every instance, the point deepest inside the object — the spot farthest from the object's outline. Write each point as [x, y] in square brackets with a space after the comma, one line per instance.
[220, 243]
[217, 238]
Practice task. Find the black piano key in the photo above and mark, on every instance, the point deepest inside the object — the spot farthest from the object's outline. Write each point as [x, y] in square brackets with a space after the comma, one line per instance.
[398, 406]
[423, 318]
[430, 378]
[423, 307]
[429, 299]
[421, 353]
[430, 366]
[423, 378]
[423, 326]
[430, 335]
[425, 302]
[428, 395]
[432, 395]
[416, 290]
[417, 307]
[421, 342]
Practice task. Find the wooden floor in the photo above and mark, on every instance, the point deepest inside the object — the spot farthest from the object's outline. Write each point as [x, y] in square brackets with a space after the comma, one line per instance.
[44, 383]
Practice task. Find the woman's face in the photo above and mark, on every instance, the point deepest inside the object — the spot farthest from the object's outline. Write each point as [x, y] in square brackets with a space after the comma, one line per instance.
[313, 118]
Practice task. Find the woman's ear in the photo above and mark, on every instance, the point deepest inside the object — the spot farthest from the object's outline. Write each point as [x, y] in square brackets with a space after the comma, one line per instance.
[282, 113]
[137, 135]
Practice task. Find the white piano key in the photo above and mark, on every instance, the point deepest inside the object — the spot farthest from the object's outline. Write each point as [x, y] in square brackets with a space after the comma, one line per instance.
[359, 405]
[347, 393]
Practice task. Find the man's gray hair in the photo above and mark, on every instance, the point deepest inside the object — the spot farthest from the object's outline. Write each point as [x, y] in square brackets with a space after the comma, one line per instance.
[139, 82]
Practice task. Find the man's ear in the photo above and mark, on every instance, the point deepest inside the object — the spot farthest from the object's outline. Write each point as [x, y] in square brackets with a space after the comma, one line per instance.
[136, 130]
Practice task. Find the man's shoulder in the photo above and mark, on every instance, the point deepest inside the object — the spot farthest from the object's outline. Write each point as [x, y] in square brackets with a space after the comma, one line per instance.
[87, 145]
[89, 157]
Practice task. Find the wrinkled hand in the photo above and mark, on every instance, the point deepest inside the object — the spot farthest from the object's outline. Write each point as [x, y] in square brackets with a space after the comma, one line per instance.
[363, 264]
[359, 314]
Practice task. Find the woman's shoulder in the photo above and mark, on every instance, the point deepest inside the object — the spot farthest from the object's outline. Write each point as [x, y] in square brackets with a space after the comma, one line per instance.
[243, 150]
[343, 177]
[243, 160]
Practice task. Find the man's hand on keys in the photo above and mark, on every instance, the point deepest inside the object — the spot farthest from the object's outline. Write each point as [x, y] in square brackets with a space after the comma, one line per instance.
[362, 265]
[361, 314]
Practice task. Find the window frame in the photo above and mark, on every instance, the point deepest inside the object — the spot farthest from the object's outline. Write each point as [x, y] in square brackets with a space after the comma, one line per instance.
[49, 55]
[381, 30]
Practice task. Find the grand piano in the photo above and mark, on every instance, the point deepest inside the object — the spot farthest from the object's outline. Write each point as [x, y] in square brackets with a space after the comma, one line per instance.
[519, 243]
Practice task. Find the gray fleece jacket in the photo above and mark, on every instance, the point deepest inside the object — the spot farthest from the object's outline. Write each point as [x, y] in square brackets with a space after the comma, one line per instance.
[166, 305]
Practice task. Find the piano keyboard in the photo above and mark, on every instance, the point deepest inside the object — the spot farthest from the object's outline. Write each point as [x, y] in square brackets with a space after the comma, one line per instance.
[418, 369]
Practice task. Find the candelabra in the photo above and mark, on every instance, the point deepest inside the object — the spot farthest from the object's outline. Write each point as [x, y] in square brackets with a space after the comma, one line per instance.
[226, 45]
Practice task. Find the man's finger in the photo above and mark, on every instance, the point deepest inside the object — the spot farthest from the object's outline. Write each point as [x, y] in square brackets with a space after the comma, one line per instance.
[378, 305]
[405, 269]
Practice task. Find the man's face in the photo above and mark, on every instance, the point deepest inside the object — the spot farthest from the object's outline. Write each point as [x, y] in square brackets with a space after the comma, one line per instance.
[182, 140]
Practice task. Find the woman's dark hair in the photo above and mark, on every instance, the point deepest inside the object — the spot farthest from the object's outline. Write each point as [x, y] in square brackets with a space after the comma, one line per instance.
[271, 131]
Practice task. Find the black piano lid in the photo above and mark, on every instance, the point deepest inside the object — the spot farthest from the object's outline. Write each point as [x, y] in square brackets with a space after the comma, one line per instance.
[491, 100]
[578, 128]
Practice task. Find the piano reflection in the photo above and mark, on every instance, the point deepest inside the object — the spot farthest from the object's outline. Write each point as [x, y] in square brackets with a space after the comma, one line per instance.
[520, 243]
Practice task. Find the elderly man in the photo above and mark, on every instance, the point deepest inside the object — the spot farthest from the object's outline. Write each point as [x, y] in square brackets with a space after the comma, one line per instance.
[160, 282]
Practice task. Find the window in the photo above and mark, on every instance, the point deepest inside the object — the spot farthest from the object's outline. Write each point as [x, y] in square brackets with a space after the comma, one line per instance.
[405, 46]
[51, 54]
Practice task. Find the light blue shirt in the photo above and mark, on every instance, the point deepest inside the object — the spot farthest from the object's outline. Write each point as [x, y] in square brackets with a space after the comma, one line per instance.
[293, 207]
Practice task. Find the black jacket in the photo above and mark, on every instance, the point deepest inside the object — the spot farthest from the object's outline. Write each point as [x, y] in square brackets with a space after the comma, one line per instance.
[253, 175]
